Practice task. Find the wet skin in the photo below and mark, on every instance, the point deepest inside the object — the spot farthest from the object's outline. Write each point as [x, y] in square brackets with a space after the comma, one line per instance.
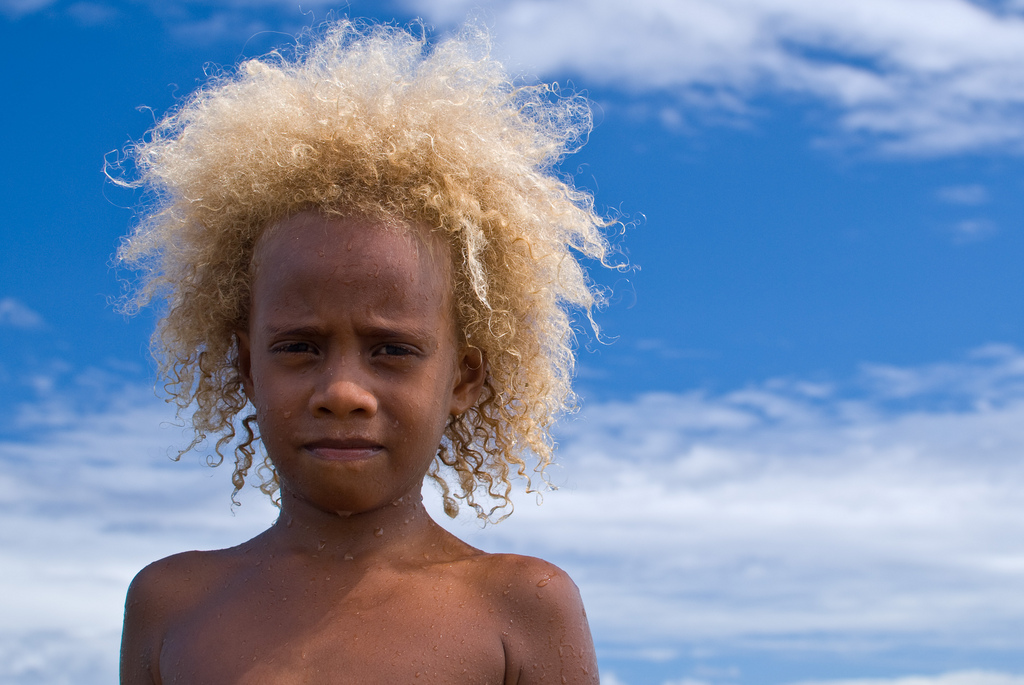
[352, 361]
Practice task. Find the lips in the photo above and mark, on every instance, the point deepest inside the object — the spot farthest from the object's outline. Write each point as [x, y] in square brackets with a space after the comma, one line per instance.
[348, 449]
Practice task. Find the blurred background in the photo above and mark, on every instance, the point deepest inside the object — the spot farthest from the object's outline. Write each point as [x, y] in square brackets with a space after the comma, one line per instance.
[800, 457]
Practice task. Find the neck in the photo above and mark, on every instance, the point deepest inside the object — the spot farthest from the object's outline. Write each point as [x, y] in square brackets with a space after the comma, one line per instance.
[400, 528]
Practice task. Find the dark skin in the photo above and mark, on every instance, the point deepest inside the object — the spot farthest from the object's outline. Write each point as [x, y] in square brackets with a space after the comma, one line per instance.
[353, 364]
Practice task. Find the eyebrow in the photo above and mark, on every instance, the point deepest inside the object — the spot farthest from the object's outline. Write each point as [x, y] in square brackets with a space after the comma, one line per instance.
[391, 333]
[382, 332]
[300, 331]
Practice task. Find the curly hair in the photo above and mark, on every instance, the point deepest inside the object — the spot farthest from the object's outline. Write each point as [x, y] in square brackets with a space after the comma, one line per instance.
[377, 121]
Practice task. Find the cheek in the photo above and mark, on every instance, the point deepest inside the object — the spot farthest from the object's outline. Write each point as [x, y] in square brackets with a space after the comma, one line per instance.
[428, 416]
[276, 403]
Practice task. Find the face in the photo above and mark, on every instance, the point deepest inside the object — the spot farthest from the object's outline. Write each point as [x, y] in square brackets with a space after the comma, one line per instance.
[351, 358]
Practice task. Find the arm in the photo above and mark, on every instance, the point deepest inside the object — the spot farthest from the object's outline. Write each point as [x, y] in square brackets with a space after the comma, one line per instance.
[155, 596]
[138, 661]
[548, 640]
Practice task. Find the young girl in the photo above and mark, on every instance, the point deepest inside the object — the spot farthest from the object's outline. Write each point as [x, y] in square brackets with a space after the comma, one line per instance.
[367, 262]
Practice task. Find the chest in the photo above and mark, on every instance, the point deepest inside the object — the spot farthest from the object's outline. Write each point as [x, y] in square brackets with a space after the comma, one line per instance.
[410, 631]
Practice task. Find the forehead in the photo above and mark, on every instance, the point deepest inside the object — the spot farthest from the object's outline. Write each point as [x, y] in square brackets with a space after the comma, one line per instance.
[312, 252]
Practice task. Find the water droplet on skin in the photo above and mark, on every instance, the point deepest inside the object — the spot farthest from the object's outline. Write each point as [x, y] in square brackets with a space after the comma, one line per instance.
[543, 581]
[343, 514]
[289, 522]
[320, 545]
[349, 556]
[378, 532]
[288, 415]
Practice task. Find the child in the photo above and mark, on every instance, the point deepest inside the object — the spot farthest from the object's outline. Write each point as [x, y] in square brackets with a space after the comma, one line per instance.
[366, 262]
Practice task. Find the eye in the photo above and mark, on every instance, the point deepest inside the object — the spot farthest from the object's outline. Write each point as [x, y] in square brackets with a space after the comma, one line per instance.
[394, 350]
[293, 347]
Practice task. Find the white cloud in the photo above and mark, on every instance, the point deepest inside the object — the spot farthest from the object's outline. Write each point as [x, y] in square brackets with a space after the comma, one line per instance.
[973, 194]
[946, 85]
[58, 658]
[993, 373]
[14, 313]
[956, 678]
[232, 22]
[887, 511]
[973, 230]
[611, 679]
[888, 79]
[84, 507]
[18, 8]
[771, 516]
[92, 13]
[969, 229]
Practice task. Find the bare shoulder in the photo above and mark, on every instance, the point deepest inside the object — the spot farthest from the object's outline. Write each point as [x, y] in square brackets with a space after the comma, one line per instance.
[522, 578]
[159, 593]
[175, 569]
[545, 633]
[172, 583]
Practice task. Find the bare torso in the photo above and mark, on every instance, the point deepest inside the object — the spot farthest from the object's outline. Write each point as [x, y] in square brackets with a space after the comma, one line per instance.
[275, 610]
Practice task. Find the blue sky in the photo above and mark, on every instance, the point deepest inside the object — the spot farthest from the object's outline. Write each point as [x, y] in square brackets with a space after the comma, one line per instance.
[800, 460]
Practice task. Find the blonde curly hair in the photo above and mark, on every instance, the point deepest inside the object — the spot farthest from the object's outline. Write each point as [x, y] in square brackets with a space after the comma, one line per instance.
[376, 121]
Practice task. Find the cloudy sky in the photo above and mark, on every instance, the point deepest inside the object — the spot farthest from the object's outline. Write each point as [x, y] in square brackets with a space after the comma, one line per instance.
[801, 456]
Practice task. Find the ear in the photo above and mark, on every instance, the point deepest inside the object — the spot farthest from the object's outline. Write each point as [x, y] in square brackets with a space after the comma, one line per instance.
[245, 363]
[470, 375]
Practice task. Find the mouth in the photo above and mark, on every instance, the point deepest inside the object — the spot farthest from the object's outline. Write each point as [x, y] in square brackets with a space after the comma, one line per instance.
[348, 449]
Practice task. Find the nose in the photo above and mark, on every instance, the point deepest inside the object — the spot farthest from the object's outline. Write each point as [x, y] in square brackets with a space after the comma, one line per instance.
[342, 391]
